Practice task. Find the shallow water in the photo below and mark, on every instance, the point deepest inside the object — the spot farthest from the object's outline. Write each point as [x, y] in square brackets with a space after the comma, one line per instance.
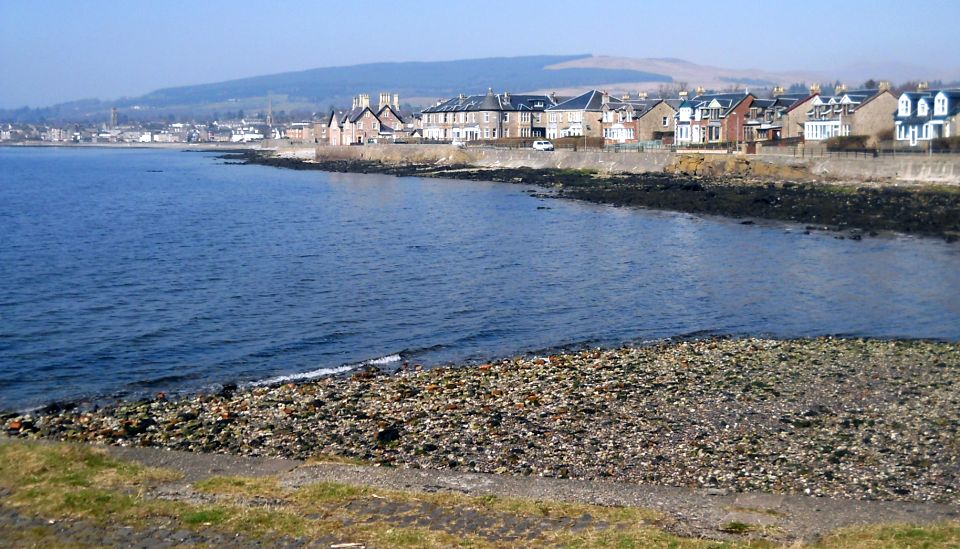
[124, 272]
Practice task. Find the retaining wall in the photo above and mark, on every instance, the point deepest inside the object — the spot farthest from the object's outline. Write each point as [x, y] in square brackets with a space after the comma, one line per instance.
[942, 169]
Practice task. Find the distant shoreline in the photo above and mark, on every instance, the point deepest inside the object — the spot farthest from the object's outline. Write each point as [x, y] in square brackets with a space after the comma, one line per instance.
[212, 146]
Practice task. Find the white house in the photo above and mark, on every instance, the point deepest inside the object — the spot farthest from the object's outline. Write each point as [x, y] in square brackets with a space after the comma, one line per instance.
[925, 115]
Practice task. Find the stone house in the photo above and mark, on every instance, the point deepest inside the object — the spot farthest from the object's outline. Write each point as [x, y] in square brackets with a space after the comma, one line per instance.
[927, 114]
[630, 120]
[361, 125]
[859, 112]
[794, 118]
[576, 117]
[713, 118]
[766, 117]
[489, 116]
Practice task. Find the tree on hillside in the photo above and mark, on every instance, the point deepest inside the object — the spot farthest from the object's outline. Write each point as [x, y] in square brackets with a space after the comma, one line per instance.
[798, 87]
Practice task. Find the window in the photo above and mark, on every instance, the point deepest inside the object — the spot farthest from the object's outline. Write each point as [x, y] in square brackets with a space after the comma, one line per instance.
[904, 107]
[666, 122]
[360, 125]
[506, 117]
[538, 118]
[462, 115]
[486, 117]
[486, 133]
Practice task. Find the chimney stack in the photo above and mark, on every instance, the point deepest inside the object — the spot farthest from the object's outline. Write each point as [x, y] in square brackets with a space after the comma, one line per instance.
[553, 97]
[396, 101]
[840, 89]
[683, 95]
[923, 86]
[604, 98]
[885, 85]
[356, 101]
[625, 97]
[700, 90]
[384, 101]
[778, 91]
[365, 100]
[643, 95]
[815, 89]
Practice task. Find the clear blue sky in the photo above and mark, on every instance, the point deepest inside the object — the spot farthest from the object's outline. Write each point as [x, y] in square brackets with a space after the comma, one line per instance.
[59, 50]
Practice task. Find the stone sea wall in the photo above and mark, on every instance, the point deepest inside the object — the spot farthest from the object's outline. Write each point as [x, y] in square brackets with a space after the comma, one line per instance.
[913, 169]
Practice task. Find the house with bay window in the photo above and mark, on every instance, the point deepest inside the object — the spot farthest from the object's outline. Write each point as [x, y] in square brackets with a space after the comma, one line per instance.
[578, 116]
[629, 120]
[489, 116]
[925, 115]
[712, 118]
[858, 112]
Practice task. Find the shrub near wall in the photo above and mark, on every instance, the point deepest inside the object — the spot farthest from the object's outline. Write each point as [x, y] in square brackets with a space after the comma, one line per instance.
[946, 144]
[847, 143]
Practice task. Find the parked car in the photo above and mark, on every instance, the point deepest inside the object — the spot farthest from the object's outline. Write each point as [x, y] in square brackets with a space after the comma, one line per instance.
[459, 144]
[542, 146]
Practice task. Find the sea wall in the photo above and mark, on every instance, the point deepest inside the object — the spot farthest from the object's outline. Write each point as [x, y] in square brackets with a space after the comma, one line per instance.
[939, 169]
[601, 161]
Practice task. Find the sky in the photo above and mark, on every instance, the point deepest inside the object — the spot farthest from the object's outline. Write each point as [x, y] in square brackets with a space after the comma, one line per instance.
[59, 50]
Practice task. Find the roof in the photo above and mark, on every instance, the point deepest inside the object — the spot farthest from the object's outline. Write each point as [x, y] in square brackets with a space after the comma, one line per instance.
[589, 101]
[726, 101]
[492, 102]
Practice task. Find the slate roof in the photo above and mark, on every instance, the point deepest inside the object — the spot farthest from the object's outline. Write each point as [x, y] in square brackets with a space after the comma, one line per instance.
[589, 101]
[492, 102]
[727, 101]
[640, 106]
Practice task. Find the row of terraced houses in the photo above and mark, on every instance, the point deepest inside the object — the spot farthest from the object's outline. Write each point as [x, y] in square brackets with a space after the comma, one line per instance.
[694, 119]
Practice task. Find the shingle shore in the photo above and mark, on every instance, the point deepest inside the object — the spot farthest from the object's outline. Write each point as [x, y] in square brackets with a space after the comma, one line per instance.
[865, 419]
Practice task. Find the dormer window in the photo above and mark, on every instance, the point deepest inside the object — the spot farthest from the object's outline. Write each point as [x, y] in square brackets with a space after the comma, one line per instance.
[922, 108]
[904, 107]
[940, 106]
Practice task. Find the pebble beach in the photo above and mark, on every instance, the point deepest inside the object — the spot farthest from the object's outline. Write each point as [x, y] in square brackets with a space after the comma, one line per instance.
[849, 418]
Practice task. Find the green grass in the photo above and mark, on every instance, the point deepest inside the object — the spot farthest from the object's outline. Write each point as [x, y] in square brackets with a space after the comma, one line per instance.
[73, 481]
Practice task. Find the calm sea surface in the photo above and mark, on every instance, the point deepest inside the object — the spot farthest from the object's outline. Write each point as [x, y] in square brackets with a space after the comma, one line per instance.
[125, 272]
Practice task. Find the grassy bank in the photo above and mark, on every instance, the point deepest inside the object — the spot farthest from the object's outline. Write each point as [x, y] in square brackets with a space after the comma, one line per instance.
[84, 498]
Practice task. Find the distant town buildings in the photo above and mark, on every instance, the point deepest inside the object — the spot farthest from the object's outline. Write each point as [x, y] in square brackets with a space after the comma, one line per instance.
[874, 116]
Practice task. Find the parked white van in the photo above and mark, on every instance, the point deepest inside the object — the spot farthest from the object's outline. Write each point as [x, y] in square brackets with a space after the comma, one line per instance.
[542, 146]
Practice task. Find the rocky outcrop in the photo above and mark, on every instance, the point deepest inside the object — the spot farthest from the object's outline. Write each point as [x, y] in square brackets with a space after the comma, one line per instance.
[739, 166]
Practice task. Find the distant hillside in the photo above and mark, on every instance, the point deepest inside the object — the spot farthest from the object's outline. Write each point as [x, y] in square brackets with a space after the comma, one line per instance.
[418, 83]
[692, 74]
[317, 89]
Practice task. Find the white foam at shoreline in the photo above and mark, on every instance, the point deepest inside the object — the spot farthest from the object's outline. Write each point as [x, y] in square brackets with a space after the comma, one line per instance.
[383, 360]
[323, 372]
